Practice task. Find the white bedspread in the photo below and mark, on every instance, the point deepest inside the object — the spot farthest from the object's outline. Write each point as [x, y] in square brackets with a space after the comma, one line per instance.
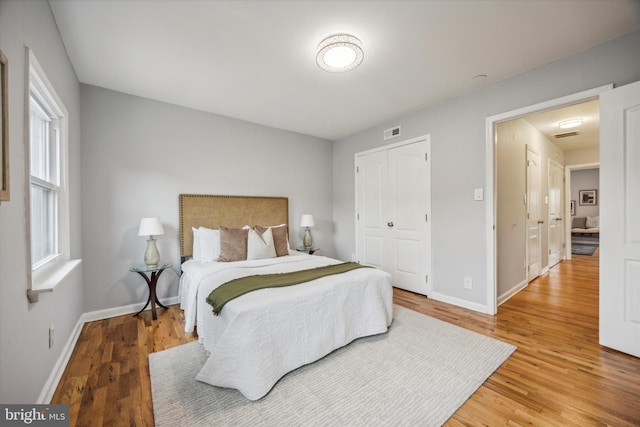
[261, 336]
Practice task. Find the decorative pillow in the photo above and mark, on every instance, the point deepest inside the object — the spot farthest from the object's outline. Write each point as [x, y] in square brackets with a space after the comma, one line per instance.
[233, 244]
[195, 253]
[579, 222]
[209, 244]
[260, 246]
[593, 222]
[280, 237]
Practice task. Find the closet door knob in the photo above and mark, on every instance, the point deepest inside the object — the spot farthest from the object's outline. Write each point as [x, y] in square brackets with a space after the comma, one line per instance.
[390, 224]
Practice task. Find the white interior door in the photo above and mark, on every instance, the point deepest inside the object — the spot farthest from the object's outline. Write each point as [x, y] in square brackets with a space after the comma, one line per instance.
[556, 197]
[406, 217]
[533, 214]
[392, 213]
[620, 219]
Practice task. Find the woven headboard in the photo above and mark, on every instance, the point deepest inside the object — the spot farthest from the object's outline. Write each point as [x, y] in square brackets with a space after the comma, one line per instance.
[209, 211]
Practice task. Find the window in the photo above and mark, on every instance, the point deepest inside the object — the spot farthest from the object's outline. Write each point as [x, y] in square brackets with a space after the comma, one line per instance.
[48, 203]
[44, 146]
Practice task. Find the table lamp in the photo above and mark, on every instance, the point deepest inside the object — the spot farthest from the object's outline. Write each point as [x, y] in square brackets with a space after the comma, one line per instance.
[307, 222]
[151, 227]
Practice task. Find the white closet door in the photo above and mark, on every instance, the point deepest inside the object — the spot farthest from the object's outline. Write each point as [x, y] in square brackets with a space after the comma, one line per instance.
[406, 216]
[392, 207]
[371, 179]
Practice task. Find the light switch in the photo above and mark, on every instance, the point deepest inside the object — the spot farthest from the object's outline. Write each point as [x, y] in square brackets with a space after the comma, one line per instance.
[478, 194]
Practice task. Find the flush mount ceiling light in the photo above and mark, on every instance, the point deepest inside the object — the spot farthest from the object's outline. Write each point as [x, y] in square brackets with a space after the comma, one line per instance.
[566, 124]
[339, 53]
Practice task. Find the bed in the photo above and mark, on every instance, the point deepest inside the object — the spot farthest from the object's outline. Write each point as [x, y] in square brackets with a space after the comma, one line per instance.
[262, 335]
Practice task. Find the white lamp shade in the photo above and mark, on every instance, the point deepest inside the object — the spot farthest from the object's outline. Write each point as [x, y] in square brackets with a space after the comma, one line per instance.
[307, 221]
[150, 227]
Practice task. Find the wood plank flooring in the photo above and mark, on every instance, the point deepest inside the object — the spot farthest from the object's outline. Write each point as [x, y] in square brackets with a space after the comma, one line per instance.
[559, 376]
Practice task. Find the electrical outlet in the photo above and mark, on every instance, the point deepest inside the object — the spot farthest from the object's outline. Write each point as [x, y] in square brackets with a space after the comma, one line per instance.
[354, 258]
[51, 336]
[468, 283]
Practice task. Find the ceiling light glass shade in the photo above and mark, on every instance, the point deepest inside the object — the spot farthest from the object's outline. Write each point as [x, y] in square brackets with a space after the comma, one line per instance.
[339, 53]
[566, 124]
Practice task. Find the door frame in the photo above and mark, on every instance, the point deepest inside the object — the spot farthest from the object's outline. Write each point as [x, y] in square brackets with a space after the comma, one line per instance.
[567, 208]
[491, 170]
[427, 138]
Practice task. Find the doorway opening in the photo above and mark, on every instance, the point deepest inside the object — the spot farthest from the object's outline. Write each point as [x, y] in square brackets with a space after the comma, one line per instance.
[496, 229]
[583, 231]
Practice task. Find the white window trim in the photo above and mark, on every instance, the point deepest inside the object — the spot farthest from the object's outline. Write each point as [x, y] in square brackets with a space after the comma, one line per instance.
[47, 276]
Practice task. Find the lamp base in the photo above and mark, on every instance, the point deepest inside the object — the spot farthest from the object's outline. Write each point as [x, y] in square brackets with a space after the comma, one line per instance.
[151, 255]
[307, 242]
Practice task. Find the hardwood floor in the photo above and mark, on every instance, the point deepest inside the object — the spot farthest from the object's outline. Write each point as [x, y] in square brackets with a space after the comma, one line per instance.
[106, 382]
[558, 376]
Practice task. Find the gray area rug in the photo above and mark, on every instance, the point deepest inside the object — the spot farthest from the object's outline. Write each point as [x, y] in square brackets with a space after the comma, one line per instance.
[419, 373]
[582, 249]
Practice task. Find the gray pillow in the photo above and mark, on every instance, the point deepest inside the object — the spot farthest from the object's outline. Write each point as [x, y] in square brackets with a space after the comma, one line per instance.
[579, 222]
[233, 244]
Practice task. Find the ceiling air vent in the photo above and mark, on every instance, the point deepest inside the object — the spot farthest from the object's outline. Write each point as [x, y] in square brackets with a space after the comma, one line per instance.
[565, 135]
[392, 133]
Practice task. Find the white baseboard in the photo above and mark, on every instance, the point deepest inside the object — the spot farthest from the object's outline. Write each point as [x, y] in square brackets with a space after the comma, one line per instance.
[58, 369]
[511, 292]
[125, 309]
[61, 364]
[482, 308]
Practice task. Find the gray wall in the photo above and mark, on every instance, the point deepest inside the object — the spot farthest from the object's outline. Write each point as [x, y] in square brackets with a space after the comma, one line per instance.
[458, 130]
[25, 358]
[513, 137]
[585, 179]
[138, 155]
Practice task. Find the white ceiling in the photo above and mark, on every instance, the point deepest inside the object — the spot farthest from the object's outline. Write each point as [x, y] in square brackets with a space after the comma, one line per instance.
[588, 133]
[255, 60]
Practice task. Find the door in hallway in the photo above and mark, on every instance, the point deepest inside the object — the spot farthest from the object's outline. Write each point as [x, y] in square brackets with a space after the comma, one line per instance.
[556, 209]
[533, 214]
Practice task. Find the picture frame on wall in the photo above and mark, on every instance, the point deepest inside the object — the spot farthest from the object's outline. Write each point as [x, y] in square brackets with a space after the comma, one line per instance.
[588, 197]
[572, 204]
[4, 128]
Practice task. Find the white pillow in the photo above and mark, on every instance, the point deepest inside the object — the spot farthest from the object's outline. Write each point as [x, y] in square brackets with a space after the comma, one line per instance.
[593, 222]
[260, 247]
[280, 250]
[209, 244]
[195, 254]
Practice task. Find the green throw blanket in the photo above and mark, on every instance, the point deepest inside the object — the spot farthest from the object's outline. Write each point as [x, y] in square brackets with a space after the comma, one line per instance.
[237, 287]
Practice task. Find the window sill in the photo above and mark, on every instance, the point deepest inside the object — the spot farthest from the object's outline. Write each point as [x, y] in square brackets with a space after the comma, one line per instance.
[48, 280]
